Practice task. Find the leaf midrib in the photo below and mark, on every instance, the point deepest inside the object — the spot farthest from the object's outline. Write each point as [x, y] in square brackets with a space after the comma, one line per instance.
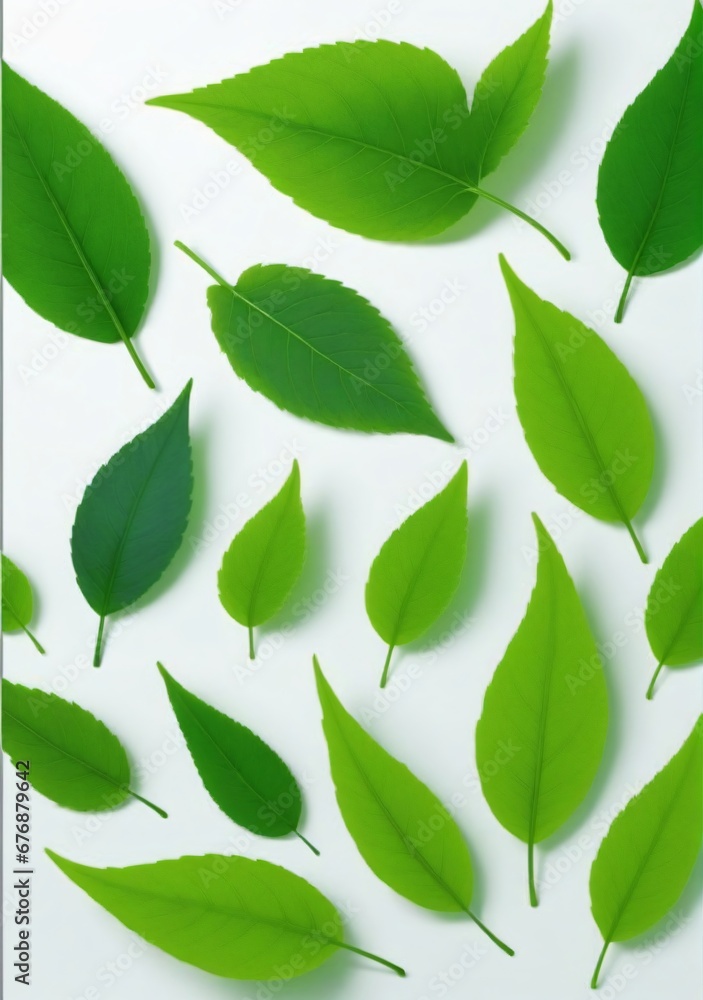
[695, 599]
[230, 762]
[97, 284]
[413, 851]
[658, 832]
[62, 750]
[665, 173]
[580, 419]
[267, 549]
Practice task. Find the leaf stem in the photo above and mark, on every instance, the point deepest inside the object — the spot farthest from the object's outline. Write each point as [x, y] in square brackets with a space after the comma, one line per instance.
[146, 802]
[638, 545]
[252, 651]
[496, 940]
[368, 954]
[386, 665]
[596, 971]
[34, 639]
[135, 358]
[98, 642]
[531, 873]
[650, 689]
[526, 218]
[620, 311]
[206, 267]
[307, 842]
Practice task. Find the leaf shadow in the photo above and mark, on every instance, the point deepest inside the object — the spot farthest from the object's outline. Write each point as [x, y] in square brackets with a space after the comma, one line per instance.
[659, 475]
[473, 574]
[312, 577]
[523, 163]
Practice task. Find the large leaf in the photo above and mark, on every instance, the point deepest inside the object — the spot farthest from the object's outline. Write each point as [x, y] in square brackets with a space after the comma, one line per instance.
[651, 178]
[75, 244]
[649, 851]
[17, 601]
[373, 137]
[403, 832]
[230, 916]
[674, 612]
[417, 571]
[542, 730]
[505, 97]
[71, 757]
[265, 559]
[318, 349]
[244, 776]
[133, 515]
[584, 417]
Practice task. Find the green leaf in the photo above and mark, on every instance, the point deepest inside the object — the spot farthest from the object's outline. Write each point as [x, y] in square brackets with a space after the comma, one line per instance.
[415, 575]
[542, 730]
[75, 244]
[243, 775]
[254, 920]
[318, 349]
[265, 559]
[17, 601]
[133, 515]
[649, 851]
[505, 97]
[71, 757]
[674, 613]
[374, 137]
[403, 832]
[584, 417]
[650, 180]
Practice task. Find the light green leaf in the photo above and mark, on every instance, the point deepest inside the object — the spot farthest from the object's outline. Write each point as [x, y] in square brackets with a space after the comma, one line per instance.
[373, 137]
[542, 730]
[403, 832]
[244, 776]
[505, 97]
[649, 851]
[131, 520]
[254, 920]
[17, 601]
[265, 559]
[584, 417]
[651, 177]
[318, 349]
[75, 244]
[71, 757]
[674, 612]
[415, 575]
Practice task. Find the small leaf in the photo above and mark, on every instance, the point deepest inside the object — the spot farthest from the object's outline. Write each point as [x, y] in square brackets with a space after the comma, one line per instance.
[374, 137]
[72, 757]
[674, 613]
[542, 730]
[650, 180]
[265, 559]
[415, 575]
[584, 417]
[17, 601]
[318, 349]
[75, 244]
[131, 520]
[243, 775]
[648, 854]
[403, 832]
[254, 920]
[505, 97]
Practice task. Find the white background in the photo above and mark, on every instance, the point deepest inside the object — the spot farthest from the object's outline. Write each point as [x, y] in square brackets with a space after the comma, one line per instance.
[69, 408]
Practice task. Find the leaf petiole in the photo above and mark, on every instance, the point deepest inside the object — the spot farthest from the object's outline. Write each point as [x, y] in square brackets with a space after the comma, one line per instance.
[650, 689]
[596, 971]
[157, 809]
[206, 267]
[620, 311]
[638, 545]
[386, 665]
[367, 954]
[34, 639]
[98, 642]
[525, 218]
[252, 651]
[496, 940]
[531, 873]
[307, 842]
